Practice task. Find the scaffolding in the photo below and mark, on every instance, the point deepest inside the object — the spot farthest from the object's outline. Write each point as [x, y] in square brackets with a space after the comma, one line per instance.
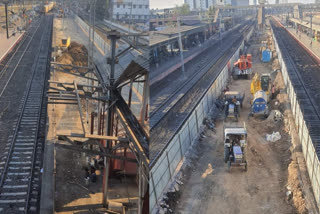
[117, 127]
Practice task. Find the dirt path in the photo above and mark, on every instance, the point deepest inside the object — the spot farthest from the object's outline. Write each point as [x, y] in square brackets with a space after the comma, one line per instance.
[262, 189]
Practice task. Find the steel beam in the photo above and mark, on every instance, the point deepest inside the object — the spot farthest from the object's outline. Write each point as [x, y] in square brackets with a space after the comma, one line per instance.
[94, 152]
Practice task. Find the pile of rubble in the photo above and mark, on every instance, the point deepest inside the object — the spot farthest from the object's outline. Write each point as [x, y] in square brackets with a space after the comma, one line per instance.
[76, 54]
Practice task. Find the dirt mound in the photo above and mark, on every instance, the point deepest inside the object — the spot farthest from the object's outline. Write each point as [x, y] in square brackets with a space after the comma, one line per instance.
[268, 125]
[294, 186]
[275, 63]
[76, 54]
[278, 82]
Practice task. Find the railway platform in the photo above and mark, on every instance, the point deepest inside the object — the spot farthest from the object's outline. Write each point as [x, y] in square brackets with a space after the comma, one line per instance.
[314, 47]
[8, 44]
[170, 64]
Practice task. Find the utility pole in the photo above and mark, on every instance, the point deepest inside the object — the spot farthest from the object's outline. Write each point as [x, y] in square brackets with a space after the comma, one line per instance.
[63, 7]
[311, 33]
[93, 27]
[232, 18]
[78, 16]
[89, 43]
[181, 49]
[113, 36]
[130, 22]
[220, 36]
[200, 10]
[7, 24]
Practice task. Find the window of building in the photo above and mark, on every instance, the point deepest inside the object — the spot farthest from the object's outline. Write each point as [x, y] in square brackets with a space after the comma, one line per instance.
[118, 5]
[133, 16]
[134, 6]
[147, 6]
[140, 6]
[124, 6]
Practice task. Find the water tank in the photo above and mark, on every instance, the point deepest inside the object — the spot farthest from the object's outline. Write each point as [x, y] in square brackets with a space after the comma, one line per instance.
[260, 102]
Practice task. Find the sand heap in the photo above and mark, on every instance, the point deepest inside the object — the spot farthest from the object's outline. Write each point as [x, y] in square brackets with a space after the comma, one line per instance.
[76, 54]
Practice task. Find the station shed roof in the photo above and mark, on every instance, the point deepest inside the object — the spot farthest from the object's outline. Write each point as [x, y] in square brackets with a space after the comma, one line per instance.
[170, 34]
[305, 24]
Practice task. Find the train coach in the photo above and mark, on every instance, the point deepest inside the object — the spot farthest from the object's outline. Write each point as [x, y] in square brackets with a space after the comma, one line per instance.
[48, 7]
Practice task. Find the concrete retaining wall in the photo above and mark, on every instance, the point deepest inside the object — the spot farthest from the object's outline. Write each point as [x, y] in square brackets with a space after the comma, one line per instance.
[311, 158]
[98, 40]
[170, 162]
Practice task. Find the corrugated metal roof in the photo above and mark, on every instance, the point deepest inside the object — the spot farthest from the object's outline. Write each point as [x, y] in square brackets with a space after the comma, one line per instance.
[306, 24]
[137, 66]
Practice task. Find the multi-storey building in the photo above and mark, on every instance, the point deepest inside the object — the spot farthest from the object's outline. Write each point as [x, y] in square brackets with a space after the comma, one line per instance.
[240, 2]
[136, 11]
[203, 4]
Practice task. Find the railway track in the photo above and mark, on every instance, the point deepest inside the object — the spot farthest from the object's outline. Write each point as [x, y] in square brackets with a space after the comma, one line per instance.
[303, 68]
[164, 128]
[11, 63]
[159, 110]
[20, 169]
[304, 74]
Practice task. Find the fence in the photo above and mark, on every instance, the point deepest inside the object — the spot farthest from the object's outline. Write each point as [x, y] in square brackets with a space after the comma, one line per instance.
[172, 158]
[98, 40]
[308, 146]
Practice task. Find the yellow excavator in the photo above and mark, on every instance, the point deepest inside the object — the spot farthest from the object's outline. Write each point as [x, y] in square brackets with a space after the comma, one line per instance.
[65, 43]
[260, 82]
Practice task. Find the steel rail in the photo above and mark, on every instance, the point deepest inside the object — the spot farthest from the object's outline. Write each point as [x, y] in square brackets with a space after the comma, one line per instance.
[190, 108]
[39, 114]
[293, 64]
[18, 63]
[28, 97]
[204, 68]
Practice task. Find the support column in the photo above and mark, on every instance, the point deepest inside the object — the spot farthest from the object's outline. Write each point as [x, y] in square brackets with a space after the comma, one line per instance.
[7, 25]
[130, 93]
[113, 36]
[145, 100]
[141, 195]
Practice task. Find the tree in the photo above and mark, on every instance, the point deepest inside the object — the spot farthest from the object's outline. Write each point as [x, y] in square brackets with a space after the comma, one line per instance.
[102, 9]
[182, 10]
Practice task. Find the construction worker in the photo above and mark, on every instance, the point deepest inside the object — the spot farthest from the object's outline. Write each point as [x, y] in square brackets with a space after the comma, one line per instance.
[226, 89]
[234, 100]
[273, 91]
